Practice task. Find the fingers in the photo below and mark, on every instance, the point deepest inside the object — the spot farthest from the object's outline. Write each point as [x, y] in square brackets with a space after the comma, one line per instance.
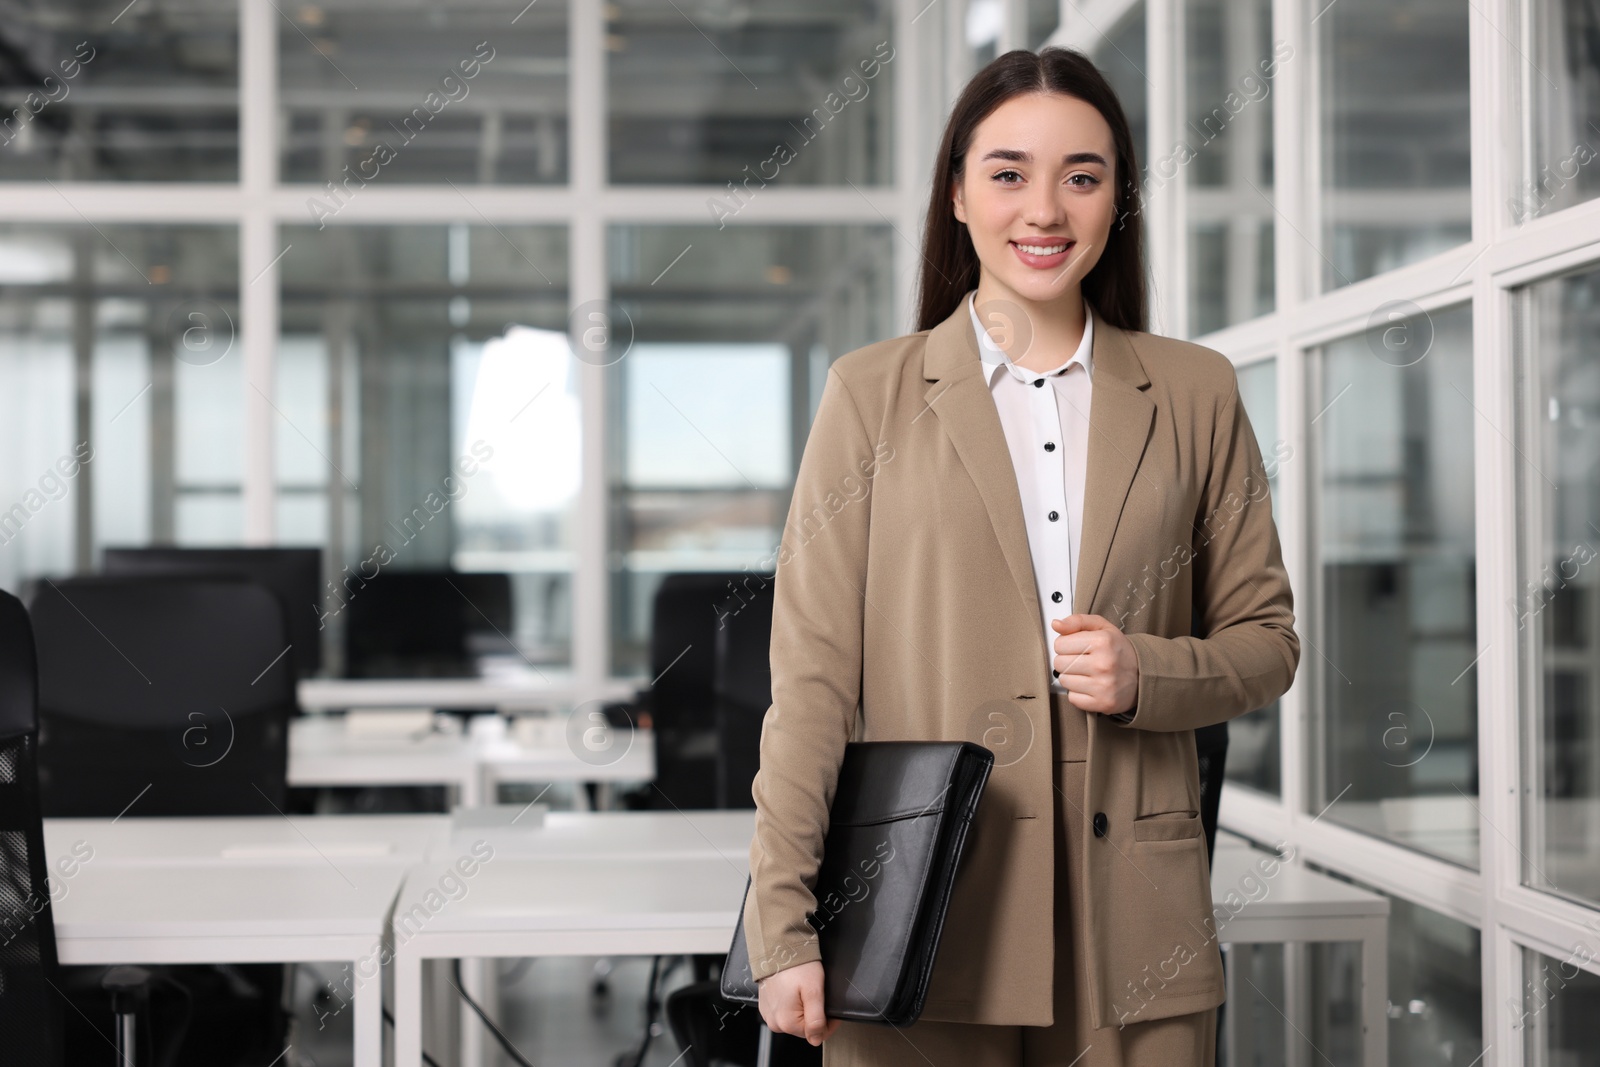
[1081, 621]
[816, 1023]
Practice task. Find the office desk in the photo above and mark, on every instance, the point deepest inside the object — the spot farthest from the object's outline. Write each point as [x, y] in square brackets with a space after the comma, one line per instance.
[584, 883]
[647, 883]
[1294, 904]
[323, 753]
[523, 690]
[239, 890]
[560, 907]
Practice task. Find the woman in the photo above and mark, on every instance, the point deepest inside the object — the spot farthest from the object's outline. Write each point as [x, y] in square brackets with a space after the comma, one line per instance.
[999, 528]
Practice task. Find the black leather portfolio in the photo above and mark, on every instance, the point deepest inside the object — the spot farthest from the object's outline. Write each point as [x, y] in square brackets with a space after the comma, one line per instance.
[895, 836]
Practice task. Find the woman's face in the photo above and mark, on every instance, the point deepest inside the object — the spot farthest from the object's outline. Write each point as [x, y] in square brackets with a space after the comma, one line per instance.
[1038, 194]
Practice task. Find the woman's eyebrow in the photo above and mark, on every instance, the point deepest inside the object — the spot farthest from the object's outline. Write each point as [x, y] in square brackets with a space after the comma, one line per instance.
[1017, 155]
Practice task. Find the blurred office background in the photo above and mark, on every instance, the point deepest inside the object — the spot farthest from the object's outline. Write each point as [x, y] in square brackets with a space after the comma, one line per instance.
[569, 321]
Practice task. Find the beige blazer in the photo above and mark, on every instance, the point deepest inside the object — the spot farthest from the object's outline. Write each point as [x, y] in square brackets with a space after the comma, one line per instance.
[905, 607]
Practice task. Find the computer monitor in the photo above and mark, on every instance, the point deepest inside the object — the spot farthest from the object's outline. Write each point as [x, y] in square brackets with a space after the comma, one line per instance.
[294, 575]
[425, 623]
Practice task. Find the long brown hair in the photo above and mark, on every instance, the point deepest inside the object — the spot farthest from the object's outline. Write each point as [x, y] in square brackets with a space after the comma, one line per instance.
[1115, 288]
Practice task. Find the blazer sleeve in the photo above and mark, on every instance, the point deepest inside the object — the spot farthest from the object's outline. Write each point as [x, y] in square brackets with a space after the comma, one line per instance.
[817, 624]
[1245, 607]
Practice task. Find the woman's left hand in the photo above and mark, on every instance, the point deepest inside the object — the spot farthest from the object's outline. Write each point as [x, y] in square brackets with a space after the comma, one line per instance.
[1097, 664]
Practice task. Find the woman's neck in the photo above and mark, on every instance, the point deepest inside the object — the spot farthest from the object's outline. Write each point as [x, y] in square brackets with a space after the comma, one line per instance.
[1034, 336]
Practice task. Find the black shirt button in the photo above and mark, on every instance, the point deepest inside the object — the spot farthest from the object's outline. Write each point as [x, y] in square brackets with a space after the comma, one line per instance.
[1049, 446]
[1054, 516]
[1056, 596]
[1038, 383]
[1099, 824]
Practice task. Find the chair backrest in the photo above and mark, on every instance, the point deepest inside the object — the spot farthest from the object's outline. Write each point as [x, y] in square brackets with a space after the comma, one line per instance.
[293, 574]
[30, 1019]
[411, 623]
[161, 696]
[1211, 746]
[686, 615]
[743, 688]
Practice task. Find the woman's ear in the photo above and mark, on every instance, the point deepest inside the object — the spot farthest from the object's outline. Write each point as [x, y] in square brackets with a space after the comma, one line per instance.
[957, 204]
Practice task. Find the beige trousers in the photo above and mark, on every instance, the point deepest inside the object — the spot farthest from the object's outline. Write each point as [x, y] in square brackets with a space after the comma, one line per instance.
[1180, 1041]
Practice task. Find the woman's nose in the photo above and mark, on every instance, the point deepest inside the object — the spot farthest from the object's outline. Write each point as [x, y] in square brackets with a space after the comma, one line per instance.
[1045, 208]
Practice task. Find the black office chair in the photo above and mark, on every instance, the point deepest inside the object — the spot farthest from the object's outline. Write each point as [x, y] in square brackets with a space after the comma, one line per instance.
[1211, 749]
[742, 693]
[680, 707]
[166, 696]
[161, 696]
[30, 1011]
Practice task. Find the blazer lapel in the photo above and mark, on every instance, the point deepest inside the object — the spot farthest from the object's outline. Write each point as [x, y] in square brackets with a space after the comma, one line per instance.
[1119, 426]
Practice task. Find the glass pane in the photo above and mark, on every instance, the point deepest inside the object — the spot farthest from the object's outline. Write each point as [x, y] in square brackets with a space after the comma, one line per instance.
[1043, 18]
[1560, 1018]
[1255, 756]
[720, 344]
[104, 90]
[762, 92]
[429, 422]
[1396, 139]
[1394, 574]
[121, 392]
[1254, 1031]
[381, 92]
[1435, 990]
[1226, 156]
[985, 23]
[1120, 55]
[1566, 110]
[1557, 606]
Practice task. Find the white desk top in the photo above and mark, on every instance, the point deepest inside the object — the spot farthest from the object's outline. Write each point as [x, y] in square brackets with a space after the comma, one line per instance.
[649, 870]
[219, 903]
[254, 840]
[323, 752]
[181, 887]
[1289, 892]
[519, 691]
[609, 893]
[641, 835]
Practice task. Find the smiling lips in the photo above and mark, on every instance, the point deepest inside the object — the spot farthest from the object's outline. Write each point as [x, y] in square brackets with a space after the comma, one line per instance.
[1042, 255]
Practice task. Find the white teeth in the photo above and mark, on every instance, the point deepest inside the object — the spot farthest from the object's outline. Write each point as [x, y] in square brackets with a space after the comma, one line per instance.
[1040, 250]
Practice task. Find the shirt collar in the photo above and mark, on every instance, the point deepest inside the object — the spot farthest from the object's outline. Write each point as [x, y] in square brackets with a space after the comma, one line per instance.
[994, 357]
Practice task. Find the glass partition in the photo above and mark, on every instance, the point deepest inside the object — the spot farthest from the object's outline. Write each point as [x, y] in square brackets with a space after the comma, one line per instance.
[720, 344]
[105, 90]
[1394, 579]
[428, 420]
[1557, 606]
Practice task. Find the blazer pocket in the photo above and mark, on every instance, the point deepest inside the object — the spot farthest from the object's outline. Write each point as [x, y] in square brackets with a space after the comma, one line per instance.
[1168, 826]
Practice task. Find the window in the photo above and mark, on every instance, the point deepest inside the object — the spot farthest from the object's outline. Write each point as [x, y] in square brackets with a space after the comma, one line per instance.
[100, 90]
[1395, 135]
[1394, 580]
[1557, 606]
[1558, 171]
[425, 370]
[391, 93]
[1255, 739]
[732, 332]
[763, 92]
[1225, 161]
[122, 387]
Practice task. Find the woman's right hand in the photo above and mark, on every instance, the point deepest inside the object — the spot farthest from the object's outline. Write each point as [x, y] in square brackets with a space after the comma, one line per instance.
[791, 1003]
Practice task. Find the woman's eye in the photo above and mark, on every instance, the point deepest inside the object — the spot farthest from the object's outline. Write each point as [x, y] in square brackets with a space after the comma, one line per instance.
[1089, 179]
[1002, 175]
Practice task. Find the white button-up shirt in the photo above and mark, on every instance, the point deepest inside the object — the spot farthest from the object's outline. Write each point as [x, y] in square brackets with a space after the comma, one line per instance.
[1045, 415]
